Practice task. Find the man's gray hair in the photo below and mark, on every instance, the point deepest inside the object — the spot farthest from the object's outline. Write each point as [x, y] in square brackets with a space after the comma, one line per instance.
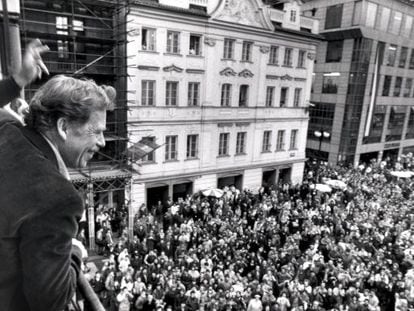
[67, 97]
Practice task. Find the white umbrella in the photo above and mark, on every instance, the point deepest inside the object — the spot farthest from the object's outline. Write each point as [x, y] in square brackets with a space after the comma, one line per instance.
[335, 183]
[402, 174]
[321, 187]
[213, 192]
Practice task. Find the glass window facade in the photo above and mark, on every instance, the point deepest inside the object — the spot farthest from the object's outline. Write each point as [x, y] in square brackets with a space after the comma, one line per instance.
[371, 14]
[330, 82]
[148, 39]
[377, 125]
[334, 51]
[273, 55]
[333, 16]
[171, 93]
[403, 57]
[386, 87]
[407, 87]
[283, 97]
[383, 21]
[410, 127]
[247, 51]
[193, 93]
[392, 53]
[395, 123]
[270, 94]
[397, 87]
[395, 24]
[287, 60]
[195, 45]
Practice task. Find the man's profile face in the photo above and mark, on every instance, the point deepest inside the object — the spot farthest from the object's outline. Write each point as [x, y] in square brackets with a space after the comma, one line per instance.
[84, 140]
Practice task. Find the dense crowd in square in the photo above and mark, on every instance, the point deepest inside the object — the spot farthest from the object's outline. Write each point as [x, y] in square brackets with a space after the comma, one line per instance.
[284, 247]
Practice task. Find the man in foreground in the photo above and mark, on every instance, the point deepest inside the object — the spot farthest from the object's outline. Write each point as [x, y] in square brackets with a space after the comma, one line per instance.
[39, 207]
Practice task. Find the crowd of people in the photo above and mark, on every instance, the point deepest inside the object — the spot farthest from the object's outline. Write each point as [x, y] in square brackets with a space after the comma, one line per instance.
[286, 247]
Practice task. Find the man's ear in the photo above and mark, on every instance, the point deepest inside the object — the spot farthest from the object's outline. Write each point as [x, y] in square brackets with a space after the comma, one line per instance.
[62, 128]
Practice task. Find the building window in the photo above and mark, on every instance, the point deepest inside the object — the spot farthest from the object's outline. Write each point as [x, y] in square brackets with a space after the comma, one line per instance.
[407, 88]
[296, 99]
[396, 23]
[171, 147]
[247, 51]
[410, 128]
[403, 57]
[173, 42]
[384, 20]
[243, 95]
[226, 95]
[267, 138]
[287, 60]
[396, 123]
[241, 143]
[293, 138]
[397, 86]
[224, 144]
[193, 93]
[330, 82]
[334, 51]
[392, 52]
[301, 59]
[411, 65]
[171, 94]
[150, 157]
[386, 86]
[407, 26]
[148, 93]
[192, 146]
[62, 29]
[273, 55]
[293, 16]
[270, 94]
[283, 97]
[356, 19]
[195, 45]
[77, 25]
[228, 52]
[148, 39]
[280, 143]
[371, 14]
[333, 16]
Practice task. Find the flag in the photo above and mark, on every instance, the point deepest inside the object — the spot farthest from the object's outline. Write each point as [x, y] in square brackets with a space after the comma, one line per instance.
[140, 149]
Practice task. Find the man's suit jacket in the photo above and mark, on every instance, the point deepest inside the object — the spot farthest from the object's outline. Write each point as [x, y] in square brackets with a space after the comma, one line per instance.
[9, 90]
[39, 211]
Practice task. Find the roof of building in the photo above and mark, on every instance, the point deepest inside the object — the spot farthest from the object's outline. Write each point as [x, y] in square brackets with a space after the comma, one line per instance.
[299, 32]
[154, 4]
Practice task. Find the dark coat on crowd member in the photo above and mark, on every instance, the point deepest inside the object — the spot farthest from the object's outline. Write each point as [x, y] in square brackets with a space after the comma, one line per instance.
[39, 211]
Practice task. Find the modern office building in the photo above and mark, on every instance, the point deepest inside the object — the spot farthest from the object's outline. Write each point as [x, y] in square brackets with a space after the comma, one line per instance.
[362, 97]
[224, 88]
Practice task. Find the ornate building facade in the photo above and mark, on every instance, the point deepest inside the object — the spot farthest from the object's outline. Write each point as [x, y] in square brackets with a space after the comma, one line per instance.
[224, 87]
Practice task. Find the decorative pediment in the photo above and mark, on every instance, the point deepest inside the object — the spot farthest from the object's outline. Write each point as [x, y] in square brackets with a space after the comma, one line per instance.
[286, 77]
[244, 12]
[246, 73]
[300, 79]
[272, 77]
[228, 72]
[172, 68]
[197, 71]
[209, 41]
[149, 68]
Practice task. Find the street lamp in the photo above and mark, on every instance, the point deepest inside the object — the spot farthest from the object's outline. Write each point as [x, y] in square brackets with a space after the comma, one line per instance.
[321, 134]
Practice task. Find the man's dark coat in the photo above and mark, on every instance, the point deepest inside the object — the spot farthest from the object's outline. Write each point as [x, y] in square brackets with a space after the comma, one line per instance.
[39, 211]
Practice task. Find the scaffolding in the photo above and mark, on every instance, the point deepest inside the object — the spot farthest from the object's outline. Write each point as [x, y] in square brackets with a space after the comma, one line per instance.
[87, 38]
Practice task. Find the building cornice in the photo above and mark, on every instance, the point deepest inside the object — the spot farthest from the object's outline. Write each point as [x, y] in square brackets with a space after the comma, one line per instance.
[221, 170]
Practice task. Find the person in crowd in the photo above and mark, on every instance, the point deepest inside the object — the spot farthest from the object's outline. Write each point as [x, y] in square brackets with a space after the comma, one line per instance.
[286, 247]
[39, 258]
